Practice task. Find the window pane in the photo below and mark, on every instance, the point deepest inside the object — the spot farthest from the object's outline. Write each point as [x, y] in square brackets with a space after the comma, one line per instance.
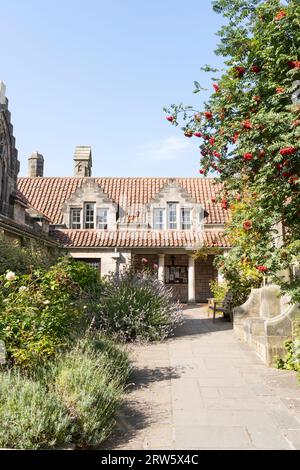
[102, 219]
[89, 215]
[185, 219]
[75, 216]
[92, 262]
[158, 219]
[172, 215]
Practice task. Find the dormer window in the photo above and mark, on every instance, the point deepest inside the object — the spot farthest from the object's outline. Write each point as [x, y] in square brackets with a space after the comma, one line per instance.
[75, 218]
[102, 219]
[89, 215]
[158, 219]
[172, 215]
[185, 217]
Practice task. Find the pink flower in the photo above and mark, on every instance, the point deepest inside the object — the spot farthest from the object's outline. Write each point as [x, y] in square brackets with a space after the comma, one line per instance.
[144, 260]
[247, 224]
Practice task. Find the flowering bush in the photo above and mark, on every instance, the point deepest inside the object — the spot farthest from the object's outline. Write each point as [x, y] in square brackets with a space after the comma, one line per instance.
[42, 312]
[252, 121]
[136, 305]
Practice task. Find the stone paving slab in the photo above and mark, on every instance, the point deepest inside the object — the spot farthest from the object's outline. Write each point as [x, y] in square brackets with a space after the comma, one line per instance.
[204, 389]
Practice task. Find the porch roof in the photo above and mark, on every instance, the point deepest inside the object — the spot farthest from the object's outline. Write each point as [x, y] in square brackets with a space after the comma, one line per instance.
[141, 238]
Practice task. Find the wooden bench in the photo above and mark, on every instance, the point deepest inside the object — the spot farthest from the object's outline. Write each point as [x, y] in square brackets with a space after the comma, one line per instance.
[225, 306]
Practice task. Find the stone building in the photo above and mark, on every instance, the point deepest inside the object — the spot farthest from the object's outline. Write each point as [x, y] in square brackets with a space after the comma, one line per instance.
[9, 163]
[110, 222]
[19, 221]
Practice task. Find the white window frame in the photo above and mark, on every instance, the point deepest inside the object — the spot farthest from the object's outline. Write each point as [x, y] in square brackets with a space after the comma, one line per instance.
[159, 224]
[72, 223]
[92, 222]
[102, 225]
[174, 223]
[182, 221]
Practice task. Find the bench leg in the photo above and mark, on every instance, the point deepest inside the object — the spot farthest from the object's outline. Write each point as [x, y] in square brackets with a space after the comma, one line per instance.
[214, 315]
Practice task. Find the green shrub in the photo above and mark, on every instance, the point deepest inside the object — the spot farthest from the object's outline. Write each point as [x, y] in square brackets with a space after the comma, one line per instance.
[23, 260]
[31, 417]
[292, 359]
[109, 352]
[239, 276]
[90, 381]
[43, 312]
[219, 289]
[136, 305]
[71, 401]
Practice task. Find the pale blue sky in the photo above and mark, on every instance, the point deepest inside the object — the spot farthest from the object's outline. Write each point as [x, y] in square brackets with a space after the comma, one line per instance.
[93, 72]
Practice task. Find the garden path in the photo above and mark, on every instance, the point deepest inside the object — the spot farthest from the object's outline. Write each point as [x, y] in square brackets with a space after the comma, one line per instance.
[204, 389]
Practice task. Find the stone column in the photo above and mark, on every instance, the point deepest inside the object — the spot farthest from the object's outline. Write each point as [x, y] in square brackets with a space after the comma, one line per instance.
[161, 267]
[191, 280]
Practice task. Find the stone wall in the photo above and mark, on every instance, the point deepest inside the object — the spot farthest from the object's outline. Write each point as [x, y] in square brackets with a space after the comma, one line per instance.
[108, 258]
[265, 321]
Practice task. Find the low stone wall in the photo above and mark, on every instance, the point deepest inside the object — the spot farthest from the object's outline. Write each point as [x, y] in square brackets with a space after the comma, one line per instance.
[265, 321]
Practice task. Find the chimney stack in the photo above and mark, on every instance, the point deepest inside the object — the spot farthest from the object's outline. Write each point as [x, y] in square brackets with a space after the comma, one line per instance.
[83, 161]
[35, 165]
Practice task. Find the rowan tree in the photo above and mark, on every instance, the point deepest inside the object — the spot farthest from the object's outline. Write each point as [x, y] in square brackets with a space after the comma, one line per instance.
[249, 130]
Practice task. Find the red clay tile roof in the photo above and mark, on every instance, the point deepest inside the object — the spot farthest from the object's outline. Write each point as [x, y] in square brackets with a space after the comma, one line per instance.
[47, 195]
[141, 238]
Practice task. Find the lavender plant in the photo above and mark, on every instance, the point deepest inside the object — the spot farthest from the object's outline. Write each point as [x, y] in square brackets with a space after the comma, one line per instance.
[137, 306]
